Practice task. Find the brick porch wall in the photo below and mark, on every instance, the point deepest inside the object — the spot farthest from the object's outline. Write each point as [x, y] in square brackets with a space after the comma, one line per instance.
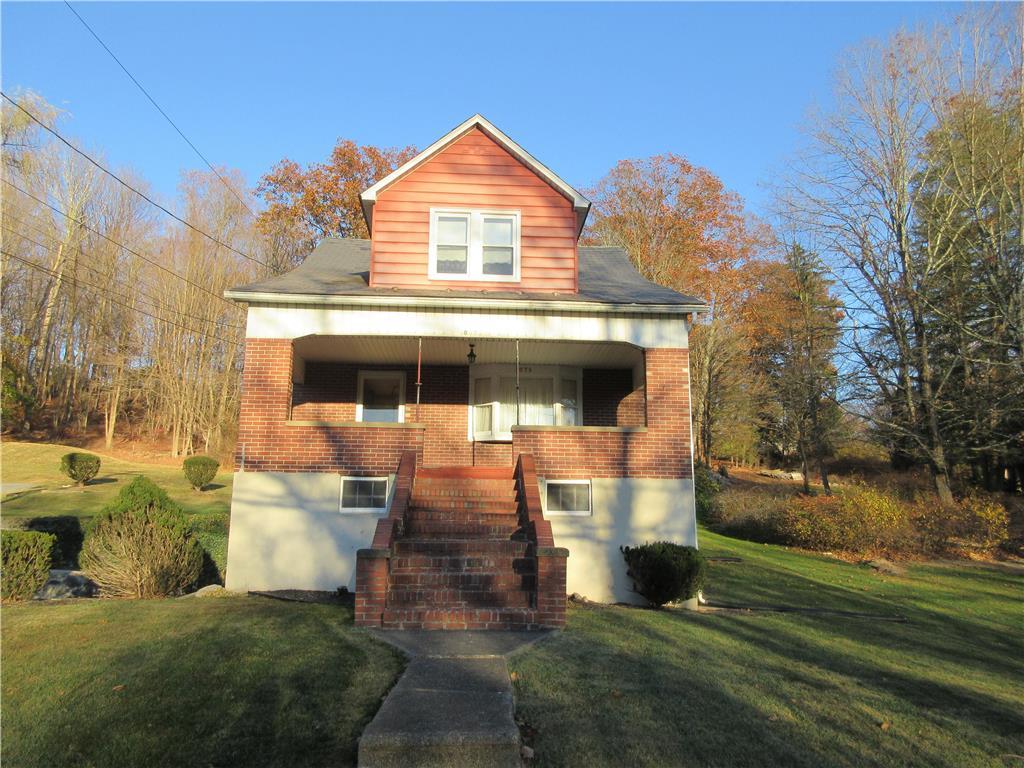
[270, 444]
[662, 450]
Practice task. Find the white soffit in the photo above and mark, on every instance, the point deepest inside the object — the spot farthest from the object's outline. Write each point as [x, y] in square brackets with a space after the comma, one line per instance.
[580, 204]
[403, 350]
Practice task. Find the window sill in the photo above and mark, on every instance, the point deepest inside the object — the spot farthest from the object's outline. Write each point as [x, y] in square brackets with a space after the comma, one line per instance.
[328, 423]
[557, 428]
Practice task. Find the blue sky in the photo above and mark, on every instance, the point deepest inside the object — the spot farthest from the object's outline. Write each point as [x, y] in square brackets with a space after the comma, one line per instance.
[578, 85]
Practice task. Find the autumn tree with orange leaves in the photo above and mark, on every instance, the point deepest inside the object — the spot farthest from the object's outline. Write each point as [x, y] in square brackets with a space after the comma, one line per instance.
[322, 200]
[683, 229]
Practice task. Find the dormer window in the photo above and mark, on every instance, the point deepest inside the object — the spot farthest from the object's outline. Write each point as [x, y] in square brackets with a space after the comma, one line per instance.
[474, 245]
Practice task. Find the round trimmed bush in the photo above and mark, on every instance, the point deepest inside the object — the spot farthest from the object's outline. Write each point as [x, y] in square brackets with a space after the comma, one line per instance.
[80, 467]
[141, 545]
[664, 572]
[26, 558]
[200, 470]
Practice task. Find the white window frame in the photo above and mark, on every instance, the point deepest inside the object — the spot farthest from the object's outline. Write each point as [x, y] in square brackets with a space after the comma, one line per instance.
[496, 371]
[475, 251]
[397, 375]
[364, 510]
[557, 513]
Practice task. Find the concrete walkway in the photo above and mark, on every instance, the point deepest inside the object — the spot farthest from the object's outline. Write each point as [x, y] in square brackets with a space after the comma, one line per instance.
[453, 706]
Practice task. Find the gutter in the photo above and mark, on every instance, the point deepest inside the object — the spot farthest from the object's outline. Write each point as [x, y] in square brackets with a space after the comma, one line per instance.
[593, 307]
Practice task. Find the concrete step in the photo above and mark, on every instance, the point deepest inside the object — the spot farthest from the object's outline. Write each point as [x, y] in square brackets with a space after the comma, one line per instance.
[460, 618]
[435, 529]
[451, 712]
[417, 597]
[462, 580]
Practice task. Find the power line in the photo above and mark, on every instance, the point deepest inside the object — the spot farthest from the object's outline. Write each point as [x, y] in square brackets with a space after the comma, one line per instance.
[125, 184]
[82, 222]
[160, 109]
[79, 283]
[155, 302]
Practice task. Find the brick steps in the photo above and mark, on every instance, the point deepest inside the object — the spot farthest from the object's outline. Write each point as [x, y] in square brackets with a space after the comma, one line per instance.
[458, 598]
[446, 529]
[464, 561]
[468, 547]
[425, 563]
[483, 581]
[460, 618]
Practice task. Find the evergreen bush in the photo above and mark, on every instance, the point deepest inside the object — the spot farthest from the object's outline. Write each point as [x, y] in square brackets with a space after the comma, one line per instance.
[664, 572]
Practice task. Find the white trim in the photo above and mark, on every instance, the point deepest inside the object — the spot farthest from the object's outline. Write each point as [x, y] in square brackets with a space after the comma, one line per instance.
[364, 510]
[474, 245]
[292, 322]
[386, 374]
[560, 513]
[581, 204]
[496, 371]
[508, 305]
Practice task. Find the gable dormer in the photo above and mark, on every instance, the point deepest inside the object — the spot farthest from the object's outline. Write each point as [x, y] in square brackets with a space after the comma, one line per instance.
[474, 211]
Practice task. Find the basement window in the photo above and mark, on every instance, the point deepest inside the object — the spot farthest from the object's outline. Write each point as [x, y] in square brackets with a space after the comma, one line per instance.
[364, 494]
[474, 245]
[567, 497]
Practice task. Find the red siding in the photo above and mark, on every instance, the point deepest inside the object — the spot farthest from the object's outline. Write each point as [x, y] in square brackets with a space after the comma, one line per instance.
[473, 172]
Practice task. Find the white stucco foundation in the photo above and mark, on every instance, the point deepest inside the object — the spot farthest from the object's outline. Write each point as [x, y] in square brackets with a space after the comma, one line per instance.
[627, 511]
[287, 532]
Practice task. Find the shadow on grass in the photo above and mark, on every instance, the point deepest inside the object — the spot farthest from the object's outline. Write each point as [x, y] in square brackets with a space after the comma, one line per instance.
[250, 683]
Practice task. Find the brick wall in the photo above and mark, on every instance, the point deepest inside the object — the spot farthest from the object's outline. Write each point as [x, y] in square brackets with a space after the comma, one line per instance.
[609, 399]
[661, 450]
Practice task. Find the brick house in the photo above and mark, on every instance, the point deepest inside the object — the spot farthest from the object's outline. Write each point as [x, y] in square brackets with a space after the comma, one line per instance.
[466, 415]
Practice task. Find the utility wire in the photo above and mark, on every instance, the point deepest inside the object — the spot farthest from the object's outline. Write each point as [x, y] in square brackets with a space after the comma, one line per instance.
[157, 304]
[82, 222]
[125, 184]
[80, 283]
[160, 110]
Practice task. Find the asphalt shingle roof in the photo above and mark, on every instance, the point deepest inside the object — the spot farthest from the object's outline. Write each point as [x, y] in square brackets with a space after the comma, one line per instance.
[341, 267]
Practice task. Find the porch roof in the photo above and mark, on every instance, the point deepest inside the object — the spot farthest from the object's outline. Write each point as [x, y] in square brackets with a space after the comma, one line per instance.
[341, 267]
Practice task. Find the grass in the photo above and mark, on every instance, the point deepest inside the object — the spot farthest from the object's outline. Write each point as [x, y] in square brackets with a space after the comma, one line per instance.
[625, 686]
[233, 681]
[51, 493]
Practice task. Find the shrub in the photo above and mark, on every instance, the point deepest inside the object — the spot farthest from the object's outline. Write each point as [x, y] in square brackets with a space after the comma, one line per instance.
[200, 470]
[752, 514]
[664, 572]
[859, 519]
[80, 467]
[705, 488]
[26, 560]
[67, 529]
[142, 545]
[975, 521]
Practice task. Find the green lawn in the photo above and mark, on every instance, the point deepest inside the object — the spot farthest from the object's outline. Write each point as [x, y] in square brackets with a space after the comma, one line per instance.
[635, 687]
[51, 494]
[232, 681]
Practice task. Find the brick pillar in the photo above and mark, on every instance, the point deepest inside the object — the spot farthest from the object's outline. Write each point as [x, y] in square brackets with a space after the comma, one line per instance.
[266, 399]
[551, 586]
[372, 586]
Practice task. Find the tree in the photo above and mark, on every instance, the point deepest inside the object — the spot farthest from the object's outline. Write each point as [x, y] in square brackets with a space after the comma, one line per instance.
[306, 204]
[684, 230]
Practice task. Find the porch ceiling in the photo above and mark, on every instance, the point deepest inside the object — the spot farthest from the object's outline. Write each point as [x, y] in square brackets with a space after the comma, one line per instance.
[386, 350]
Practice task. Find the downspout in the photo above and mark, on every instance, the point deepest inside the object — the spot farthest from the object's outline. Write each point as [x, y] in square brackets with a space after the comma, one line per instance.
[419, 377]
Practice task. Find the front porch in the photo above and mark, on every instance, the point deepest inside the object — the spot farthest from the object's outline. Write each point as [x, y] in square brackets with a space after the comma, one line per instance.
[400, 392]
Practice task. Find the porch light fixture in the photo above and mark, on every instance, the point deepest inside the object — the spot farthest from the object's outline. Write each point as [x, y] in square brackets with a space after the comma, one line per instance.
[471, 357]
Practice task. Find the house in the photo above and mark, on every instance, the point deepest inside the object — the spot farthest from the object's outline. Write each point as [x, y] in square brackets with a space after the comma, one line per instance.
[468, 414]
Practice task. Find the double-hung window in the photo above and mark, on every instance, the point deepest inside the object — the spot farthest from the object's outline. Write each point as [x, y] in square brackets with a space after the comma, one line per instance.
[474, 245]
[549, 395]
[380, 396]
